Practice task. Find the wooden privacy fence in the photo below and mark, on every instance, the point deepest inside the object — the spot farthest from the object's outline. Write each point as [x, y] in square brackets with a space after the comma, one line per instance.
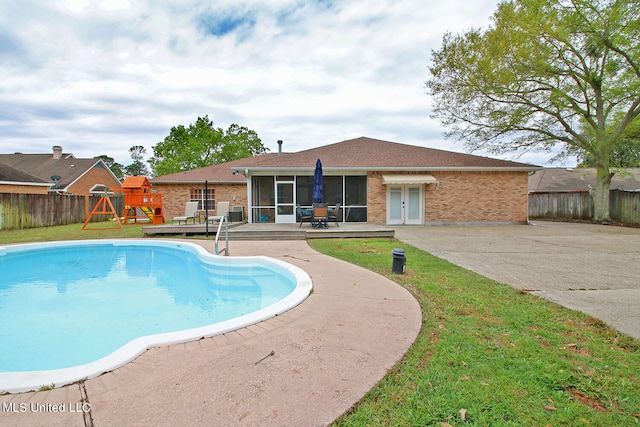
[18, 211]
[624, 206]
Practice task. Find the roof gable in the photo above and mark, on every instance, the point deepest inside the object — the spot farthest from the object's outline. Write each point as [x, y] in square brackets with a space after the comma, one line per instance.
[135, 182]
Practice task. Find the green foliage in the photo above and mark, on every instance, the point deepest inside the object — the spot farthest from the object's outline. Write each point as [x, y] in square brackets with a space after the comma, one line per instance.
[545, 71]
[137, 168]
[505, 357]
[625, 152]
[201, 144]
[116, 168]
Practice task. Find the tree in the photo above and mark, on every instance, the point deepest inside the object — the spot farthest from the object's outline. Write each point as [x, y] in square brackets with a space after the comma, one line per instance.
[545, 74]
[137, 168]
[116, 168]
[624, 154]
[201, 144]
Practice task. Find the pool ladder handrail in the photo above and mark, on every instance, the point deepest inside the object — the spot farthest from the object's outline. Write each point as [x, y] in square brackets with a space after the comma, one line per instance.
[223, 220]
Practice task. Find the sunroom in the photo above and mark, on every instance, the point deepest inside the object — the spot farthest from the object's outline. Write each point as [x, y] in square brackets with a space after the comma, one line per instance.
[280, 199]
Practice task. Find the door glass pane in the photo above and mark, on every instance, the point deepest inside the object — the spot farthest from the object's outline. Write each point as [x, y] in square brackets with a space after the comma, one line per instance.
[285, 193]
[395, 203]
[413, 210]
[285, 210]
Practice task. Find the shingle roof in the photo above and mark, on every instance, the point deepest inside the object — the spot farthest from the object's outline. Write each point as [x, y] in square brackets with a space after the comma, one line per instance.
[372, 154]
[222, 172]
[44, 166]
[9, 173]
[359, 153]
[568, 180]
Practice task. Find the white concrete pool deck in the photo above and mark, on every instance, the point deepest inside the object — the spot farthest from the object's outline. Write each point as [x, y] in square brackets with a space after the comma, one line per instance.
[305, 367]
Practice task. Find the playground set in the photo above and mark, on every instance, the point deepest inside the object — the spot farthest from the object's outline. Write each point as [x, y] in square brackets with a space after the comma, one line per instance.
[138, 197]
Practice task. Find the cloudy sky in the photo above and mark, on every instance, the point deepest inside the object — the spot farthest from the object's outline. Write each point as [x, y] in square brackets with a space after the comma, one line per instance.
[98, 77]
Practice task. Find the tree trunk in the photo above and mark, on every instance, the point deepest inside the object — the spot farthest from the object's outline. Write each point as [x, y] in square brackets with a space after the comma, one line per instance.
[601, 196]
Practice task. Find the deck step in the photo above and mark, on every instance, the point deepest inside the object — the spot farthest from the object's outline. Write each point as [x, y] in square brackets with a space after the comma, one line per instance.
[267, 235]
[241, 231]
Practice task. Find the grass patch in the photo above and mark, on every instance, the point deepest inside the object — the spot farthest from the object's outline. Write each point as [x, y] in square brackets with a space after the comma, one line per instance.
[99, 230]
[491, 355]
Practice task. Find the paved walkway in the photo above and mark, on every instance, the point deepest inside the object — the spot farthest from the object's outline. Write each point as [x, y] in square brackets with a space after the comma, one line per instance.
[305, 367]
[586, 267]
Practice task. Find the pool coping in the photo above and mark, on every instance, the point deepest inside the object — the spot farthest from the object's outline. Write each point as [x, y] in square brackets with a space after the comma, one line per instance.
[306, 366]
[24, 381]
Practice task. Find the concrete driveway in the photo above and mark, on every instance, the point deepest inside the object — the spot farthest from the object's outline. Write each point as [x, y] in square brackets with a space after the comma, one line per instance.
[586, 267]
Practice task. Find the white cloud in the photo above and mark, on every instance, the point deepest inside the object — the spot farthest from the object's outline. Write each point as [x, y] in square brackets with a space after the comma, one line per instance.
[100, 77]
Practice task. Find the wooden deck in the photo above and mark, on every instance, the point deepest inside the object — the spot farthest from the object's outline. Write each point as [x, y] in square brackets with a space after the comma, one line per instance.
[242, 231]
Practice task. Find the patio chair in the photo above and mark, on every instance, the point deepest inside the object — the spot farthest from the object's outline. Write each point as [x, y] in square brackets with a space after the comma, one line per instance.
[190, 213]
[334, 215]
[320, 214]
[304, 214]
[221, 211]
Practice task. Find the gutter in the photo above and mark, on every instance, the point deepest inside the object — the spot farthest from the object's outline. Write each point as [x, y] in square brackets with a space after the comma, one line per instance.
[253, 170]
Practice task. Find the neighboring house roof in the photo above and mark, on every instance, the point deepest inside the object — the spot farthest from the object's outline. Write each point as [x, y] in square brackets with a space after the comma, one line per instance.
[568, 180]
[374, 154]
[220, 173]
[45, 166]
[11, 175]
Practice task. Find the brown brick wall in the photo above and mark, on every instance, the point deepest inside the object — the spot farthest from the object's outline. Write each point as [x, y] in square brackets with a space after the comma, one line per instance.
[175, 196]
[377, 198]
[91, 178]
[462, 197]
[477, 197]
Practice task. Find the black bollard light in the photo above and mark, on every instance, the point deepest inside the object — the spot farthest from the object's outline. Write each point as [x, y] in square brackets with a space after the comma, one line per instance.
[399, 261]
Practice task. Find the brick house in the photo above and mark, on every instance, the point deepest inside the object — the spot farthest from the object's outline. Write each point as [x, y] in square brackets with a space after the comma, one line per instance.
[57, 173]
[374, 181]
[223, 184]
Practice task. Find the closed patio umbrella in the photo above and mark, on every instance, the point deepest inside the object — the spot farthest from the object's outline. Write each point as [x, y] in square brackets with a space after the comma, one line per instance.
[317, 183]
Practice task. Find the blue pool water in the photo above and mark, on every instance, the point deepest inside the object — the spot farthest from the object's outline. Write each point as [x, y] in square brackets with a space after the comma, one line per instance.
[69, 304]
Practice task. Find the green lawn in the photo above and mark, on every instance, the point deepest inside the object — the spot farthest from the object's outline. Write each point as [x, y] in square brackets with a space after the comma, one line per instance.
[487, 354]
[98, 230]
[490, 355]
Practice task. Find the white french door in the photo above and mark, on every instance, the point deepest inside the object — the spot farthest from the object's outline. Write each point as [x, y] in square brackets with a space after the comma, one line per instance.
[405, 204]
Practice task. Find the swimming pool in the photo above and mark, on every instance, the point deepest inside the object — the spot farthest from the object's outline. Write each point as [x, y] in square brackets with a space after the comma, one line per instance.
[73, 310]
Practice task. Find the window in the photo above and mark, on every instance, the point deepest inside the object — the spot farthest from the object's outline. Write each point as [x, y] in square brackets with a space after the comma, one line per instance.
[263, 199]
[355, 200]
[206, 200]
[304, 190]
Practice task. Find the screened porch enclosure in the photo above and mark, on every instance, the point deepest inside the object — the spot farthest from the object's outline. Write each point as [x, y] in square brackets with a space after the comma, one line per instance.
[274, 199]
